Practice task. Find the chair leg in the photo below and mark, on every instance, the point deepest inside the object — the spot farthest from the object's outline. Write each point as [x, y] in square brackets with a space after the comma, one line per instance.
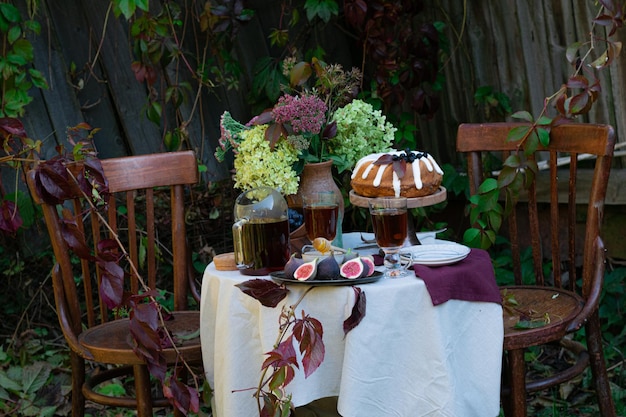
[516, 374]
[142, 391]
[78, 379]
[598, 367]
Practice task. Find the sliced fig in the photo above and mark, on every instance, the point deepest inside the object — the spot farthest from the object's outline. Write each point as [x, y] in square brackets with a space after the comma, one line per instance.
[352, 269]
[368, 264]
[292, 264]
[328, 268]
[307, 271]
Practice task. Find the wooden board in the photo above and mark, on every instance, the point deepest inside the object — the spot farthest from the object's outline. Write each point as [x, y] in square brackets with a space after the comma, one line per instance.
[429, 200]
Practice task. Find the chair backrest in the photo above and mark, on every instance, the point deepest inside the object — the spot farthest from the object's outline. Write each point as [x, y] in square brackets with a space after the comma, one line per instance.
[551, 213]
[149, 221]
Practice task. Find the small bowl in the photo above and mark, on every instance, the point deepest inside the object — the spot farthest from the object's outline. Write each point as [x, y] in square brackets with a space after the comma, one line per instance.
[309, 253]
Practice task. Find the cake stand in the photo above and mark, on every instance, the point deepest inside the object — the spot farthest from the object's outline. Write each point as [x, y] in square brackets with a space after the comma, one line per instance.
[412, 202]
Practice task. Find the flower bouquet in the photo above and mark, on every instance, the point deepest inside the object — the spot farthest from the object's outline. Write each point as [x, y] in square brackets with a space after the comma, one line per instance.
[308, 124]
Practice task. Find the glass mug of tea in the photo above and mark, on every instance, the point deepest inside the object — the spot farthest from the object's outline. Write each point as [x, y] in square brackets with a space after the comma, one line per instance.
[321, 214]
[390, 222]
[261, 231]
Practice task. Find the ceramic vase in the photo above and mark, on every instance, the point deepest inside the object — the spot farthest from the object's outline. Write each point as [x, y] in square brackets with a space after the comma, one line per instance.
[317, 177]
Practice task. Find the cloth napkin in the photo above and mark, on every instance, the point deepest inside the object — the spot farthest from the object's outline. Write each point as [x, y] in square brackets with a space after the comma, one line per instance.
[471, 279]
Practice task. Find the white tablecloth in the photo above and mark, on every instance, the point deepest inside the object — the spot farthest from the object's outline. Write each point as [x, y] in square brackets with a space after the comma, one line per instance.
[406, 358]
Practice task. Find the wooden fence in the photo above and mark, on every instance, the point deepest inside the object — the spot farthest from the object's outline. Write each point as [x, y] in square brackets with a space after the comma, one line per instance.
[515, 46]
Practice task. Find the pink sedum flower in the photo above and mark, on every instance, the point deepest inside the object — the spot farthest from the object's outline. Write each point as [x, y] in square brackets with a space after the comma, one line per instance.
[305, 114]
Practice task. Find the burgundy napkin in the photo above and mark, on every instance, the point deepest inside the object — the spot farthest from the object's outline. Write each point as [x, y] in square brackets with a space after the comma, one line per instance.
[471, 279]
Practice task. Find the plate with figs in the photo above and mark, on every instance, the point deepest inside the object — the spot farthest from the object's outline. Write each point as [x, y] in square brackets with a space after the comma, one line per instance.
[328, 271]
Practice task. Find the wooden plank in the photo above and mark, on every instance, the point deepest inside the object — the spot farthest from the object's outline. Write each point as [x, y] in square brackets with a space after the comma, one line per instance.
[128, 95]
[68, 21]
[59, 100]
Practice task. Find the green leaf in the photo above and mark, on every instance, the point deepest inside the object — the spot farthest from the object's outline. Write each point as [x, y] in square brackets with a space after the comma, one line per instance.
[507, 175]
[517, 133]
[143, 5]
[35, 376]
[8, 383]
[471, 237]
[14, 34]
[23, 48]
[488, 185]
[154, 112]
[531, 144]
[324, 9]
[10, 13]
[523, 115]
[571, 52]
[495, 220]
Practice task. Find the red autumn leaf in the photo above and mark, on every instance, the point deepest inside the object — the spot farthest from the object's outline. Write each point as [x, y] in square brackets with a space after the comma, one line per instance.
[181, 396]
[274, 132]
[358, 311]
[11, 126]
[265, 291]
[52, 181]
[283, 357]
[10, 219]
[108, 250]
[308, 332]
[399, 166]
[73, 236]
[384, 159]
[112, 284]
[330, 131]
[96, 177]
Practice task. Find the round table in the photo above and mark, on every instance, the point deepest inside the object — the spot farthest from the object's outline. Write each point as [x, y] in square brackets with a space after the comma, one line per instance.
[406, 357]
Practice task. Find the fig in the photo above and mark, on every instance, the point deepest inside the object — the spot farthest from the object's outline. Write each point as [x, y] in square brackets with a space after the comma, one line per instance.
[368, 264]
[307, 271]
[349, 255]
[328, 268]
[352, 269]
[292, 264]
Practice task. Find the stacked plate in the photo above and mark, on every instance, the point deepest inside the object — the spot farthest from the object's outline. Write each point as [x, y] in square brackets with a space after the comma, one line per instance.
[437, 254]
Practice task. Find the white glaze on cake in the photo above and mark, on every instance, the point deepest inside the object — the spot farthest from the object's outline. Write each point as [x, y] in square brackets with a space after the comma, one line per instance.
[429, 163]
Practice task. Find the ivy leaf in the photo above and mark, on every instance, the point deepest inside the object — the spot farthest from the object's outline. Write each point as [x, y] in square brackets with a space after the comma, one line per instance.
[358, 311]
[111, 286]
[300, 73]
[268, 293]
[544, 136]
[523, 115]
[571, 52]
[531, 144]
[488, 185]
[325, 9]
[517, 133]
[10, 219]
[308, 332]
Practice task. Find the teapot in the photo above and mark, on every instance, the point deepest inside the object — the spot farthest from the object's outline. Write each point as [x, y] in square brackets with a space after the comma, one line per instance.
[261, 231]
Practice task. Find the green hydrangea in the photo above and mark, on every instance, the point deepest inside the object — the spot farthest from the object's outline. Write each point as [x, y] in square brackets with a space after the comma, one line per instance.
[257, 165]
[361, 130]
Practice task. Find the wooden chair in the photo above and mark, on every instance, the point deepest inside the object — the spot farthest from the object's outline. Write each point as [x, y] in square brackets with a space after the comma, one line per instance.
[84, 319]
[552, 230]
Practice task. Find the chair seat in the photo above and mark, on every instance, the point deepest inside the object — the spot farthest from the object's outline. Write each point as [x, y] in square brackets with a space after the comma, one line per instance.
[112, 342]
[561, 306]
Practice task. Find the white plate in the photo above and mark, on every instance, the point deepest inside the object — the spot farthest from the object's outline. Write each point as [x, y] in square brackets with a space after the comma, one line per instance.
[437, 254]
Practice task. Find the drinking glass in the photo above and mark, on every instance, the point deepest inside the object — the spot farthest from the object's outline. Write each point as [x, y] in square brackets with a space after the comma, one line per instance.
[389, 219]
[321, 211]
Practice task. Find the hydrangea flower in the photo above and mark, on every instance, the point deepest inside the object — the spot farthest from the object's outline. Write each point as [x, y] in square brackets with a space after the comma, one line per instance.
[257, 165]
[361, 130]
